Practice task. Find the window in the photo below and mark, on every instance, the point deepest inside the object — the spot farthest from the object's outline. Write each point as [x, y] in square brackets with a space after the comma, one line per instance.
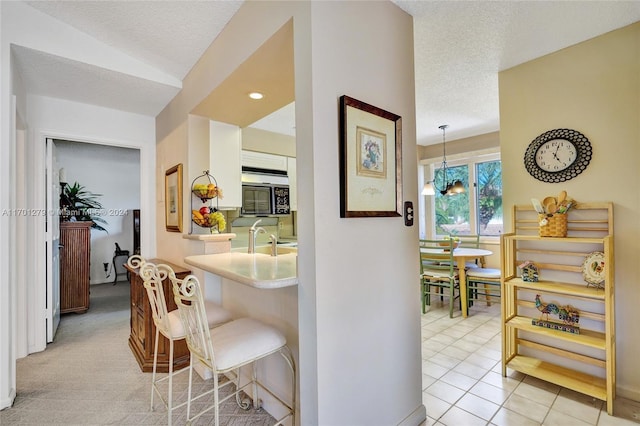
[476, 211]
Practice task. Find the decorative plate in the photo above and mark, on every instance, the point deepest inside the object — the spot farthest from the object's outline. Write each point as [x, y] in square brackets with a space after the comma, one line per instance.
[593, 268]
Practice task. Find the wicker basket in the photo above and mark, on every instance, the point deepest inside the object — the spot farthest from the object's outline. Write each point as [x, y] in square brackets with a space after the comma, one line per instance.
[556, 225]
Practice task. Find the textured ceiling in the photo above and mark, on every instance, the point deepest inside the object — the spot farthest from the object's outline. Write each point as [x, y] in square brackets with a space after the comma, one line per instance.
[460, 46]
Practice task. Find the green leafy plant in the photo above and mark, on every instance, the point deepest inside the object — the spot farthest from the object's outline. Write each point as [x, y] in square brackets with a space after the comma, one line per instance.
[83, 205]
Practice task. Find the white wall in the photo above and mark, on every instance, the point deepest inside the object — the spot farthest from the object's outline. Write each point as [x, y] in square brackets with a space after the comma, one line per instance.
[363, 270]
[114, 173]
[359, 359]
[61, 119]
[22, 25]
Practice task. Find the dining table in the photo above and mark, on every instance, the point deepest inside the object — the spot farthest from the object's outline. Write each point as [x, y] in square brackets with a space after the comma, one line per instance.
[462, 255]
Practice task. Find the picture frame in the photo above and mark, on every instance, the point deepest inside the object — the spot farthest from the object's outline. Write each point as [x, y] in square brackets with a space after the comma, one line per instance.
[370, 160]
[173, 198]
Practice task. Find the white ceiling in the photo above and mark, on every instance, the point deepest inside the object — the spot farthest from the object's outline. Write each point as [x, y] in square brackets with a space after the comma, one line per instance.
[460, 46]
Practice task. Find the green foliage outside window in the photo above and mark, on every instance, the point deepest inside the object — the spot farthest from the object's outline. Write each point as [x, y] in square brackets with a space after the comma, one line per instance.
[452, 212]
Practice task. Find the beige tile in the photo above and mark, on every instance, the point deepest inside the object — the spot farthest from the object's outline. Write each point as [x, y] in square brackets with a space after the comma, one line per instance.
[624, 408]
[481, 361]
[444, 360]
[457, 417]
[444, 339]
[455, 333]
[527, 408]
[535, 394]
[607, 420]
[457, 353]
[467, 346]
[458, 380]
[434, 370]
[556, 418]
[542, 384]
[579, 406]
[435, 407]
[445, 391]
[488, 352]
[427, 381]
[434, 345]
[490, 392]
[497, 380]
[477, 406]
[505, 417]
[470, 370]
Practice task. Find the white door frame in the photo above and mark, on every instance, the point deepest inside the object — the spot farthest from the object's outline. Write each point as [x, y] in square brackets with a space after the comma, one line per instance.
[37, 329]
[52, 232]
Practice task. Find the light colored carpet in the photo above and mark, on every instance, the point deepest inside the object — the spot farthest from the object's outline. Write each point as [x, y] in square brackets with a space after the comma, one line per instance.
[88, 375]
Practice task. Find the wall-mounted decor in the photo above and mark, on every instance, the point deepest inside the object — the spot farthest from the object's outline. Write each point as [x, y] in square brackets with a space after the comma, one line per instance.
[370, 160]
[558, 155]
[173, 199]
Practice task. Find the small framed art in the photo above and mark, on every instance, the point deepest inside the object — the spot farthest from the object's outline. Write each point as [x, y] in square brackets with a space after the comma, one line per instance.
[370, 160]
[173, 199]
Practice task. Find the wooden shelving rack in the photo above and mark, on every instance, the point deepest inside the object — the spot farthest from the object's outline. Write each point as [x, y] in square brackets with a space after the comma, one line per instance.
[584, 362]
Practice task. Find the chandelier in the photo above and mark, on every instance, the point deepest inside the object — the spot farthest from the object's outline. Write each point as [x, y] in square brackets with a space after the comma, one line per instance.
[446, 187]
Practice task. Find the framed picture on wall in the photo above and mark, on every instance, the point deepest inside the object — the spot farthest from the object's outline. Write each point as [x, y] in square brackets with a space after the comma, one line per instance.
[173, 198]
[370, 160]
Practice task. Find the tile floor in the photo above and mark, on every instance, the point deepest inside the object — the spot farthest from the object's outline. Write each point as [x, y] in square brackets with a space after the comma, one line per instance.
[463, 385]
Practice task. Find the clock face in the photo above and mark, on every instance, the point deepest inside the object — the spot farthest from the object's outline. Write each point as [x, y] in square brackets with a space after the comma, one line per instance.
[558, 155]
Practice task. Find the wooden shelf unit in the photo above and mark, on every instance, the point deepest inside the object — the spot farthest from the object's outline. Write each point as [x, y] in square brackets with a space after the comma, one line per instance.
[584, 362]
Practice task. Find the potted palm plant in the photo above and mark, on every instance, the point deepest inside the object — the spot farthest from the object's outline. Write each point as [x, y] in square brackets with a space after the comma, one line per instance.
[78, 204]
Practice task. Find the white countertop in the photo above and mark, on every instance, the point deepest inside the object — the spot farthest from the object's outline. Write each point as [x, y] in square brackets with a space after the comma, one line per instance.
[256, 270]
[209, 237]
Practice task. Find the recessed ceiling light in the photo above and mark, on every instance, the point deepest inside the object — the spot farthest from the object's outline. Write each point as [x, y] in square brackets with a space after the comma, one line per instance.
[256, 95]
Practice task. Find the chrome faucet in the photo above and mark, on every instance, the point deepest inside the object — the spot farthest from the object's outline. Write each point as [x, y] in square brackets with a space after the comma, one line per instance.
[253, 232]
[274, 245]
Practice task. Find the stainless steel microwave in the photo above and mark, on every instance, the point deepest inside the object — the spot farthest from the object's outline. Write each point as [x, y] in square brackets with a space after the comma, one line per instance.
[265, 199]
[264, 192]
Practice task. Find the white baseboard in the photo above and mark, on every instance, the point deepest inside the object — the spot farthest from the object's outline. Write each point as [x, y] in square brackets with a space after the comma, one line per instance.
[624, 392]
[8, 402]
[416, 418]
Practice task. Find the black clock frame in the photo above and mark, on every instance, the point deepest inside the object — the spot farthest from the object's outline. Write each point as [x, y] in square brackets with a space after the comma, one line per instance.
[583, 155]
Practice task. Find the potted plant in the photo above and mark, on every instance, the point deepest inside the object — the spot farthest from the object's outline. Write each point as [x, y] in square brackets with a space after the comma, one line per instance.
[78, 204]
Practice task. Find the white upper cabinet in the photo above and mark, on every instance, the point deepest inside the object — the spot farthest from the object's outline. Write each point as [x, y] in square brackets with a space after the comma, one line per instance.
[293, 183]
[263, 160]
[225, 161]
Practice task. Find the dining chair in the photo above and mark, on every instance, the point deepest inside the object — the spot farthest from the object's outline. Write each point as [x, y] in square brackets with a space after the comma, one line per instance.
[471, 241]
[168, 323]
[484, 282]
[227, 348]
[438, 272]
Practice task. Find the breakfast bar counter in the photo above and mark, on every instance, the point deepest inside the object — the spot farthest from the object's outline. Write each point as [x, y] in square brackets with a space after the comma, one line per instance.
[263, 287]
[257, 270]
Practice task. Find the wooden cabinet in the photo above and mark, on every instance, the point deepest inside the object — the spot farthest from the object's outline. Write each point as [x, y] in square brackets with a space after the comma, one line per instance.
[264, 160]
[75, 256]
[143, 330]
[582, 359]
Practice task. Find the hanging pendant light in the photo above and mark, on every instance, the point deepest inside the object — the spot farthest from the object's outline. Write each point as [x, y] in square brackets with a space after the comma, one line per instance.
[446, 187]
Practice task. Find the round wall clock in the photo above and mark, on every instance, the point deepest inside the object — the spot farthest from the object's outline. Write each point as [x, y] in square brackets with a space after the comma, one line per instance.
[558, 155]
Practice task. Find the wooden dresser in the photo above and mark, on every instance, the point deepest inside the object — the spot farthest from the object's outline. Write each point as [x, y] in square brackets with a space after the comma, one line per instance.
[75, 256]
[143, 330]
